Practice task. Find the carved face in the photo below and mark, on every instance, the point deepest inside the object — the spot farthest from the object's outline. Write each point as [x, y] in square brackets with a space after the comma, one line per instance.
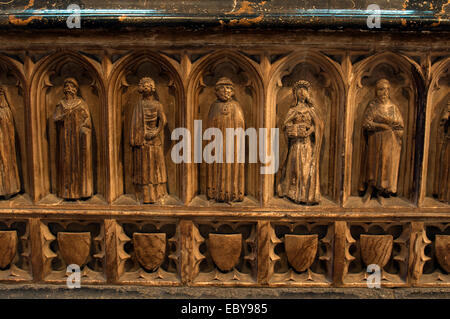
[383, 91]
[302, 94]
[146, 87]
[70, 88]
[224, 92]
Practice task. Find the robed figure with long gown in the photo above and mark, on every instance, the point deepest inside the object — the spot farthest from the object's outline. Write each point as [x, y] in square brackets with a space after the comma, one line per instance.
[303, 126]
[226, 181]
[382, 144]
[74, 144]
[443, 178]
[149, 167]
[9, 173]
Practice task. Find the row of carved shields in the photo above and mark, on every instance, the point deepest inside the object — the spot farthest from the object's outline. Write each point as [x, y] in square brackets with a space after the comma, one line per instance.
[225, 249]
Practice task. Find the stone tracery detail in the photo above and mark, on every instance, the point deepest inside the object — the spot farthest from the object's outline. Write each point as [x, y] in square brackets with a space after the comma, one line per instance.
[197, 244]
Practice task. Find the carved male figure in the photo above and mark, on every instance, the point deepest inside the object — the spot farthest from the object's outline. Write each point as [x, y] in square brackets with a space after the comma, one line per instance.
[382, 132]
[74, 144]
[149, 167]
[9, 173]
[303, 127]
[443, 191]
[225, 181]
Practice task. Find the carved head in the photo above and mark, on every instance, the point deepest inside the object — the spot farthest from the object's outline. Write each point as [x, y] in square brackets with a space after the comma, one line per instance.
[147, 86]
[70, 86]
[224, 89]
[383, 87]
[301, 90]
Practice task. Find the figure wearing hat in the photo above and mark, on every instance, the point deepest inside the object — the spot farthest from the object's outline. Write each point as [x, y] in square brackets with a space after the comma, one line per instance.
[303, 127]
[382, 144]
[225, 181]
[73, 144]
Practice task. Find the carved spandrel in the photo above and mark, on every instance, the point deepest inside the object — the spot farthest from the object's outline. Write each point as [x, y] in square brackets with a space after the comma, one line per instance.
[303, 126]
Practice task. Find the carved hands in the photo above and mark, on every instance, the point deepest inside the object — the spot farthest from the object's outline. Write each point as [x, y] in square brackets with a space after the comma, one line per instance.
[298, 130]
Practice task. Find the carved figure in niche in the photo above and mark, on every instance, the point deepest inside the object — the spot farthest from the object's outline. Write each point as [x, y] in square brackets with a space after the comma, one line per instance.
[382, 142]
[74, 144]
[226, 181]
[303, 127]
[9, 173]
[443, 192]
[149, 167]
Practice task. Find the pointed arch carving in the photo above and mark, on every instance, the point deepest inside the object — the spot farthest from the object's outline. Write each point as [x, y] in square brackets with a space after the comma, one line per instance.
[15, 85]
[438, 99]
[247, 79]
[46, 91]
[328, 91]
[123, 95]
[407, 87]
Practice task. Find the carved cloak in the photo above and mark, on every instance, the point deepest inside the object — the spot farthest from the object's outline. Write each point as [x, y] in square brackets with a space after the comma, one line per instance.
[74, 150]
[9, 173]
[149, 168]
[381, 149]
[226, 181]
[443, 191]
[300, 176]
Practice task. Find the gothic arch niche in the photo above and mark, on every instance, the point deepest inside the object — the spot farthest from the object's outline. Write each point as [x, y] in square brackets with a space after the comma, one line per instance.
[15, 186]
[437, 181]
[248, 93]
[126, 97]
[327, 93]
[404, 85]
[48, 87]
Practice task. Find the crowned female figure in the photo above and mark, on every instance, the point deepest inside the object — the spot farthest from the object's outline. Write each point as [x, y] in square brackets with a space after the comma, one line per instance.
[303, 126]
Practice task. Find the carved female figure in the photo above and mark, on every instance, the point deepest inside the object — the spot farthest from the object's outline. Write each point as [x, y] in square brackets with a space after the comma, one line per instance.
[149, 168]
[382, 132]
[74, 144]
[443, 192]
[225, 181]
[303, 127]
[9, 174]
